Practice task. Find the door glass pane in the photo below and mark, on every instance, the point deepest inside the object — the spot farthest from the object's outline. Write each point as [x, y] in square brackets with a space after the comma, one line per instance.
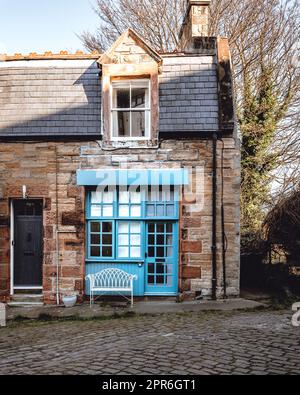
[151, 228]
[151, 279]
[151, 268]
[169, 240]
[160, 280]
[160, 228]
[169, 281]
[160, 268]
[160, 252]
[151, 240]
[169, 228]
[169, 251]
[160, 240]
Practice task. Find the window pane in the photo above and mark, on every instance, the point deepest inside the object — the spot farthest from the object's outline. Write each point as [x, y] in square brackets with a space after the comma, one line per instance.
[150, 279]
[95, 239]
[107, 211]
[160, 240]
[170, 211]
[121, 123]
[135, 252]
[138, 124]
[107, 227]
[169, 228]
[135, 197]
[123, 252]
[135, 211]
[108, 197]
[138, 97]
[135, 227]
[150, 210]
[124, 197]
[95, 251]
[124, 227]
[160, 210]
[96, 197]
[121, 98]
[96, 211]
[107, 252]
[123, 240]
[107, 239]
[95, 227]
[135, 240]
[124, 211]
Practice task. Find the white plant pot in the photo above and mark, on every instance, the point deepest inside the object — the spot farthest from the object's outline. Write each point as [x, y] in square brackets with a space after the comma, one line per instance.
[69, 301]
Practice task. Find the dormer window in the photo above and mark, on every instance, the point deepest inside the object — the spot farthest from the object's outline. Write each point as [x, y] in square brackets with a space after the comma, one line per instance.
[130, 109]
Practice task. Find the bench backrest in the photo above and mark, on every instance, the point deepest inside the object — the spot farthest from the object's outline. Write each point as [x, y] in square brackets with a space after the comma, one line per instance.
[112, 278]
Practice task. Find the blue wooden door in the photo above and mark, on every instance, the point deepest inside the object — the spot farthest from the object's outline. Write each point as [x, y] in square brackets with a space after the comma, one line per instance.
[161, 258]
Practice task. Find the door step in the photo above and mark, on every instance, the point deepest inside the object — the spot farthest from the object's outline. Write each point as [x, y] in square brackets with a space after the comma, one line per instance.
[26, 300]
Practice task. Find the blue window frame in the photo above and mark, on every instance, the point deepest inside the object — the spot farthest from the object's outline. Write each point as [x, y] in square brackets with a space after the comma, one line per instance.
[117, 220]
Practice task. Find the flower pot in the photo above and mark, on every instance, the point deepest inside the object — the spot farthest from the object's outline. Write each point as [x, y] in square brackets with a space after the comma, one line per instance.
[69, 301]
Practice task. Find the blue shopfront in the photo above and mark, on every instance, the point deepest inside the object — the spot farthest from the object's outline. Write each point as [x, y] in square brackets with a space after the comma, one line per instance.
[132, 223]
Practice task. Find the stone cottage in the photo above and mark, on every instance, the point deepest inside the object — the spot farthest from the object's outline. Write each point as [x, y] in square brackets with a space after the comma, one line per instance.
[126, 159]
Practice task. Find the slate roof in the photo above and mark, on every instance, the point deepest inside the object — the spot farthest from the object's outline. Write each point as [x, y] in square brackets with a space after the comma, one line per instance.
[58, 98]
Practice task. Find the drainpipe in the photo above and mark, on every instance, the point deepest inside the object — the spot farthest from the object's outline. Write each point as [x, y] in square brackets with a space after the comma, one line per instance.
[56, 230]
[214, 220]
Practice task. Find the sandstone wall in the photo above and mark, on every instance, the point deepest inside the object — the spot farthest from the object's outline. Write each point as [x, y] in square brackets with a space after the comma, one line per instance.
[49, 171]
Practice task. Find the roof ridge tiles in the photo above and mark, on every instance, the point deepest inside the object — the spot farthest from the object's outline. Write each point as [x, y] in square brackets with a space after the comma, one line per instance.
[48, 55]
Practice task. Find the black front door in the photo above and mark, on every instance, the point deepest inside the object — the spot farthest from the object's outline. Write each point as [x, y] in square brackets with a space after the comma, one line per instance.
[28, 227]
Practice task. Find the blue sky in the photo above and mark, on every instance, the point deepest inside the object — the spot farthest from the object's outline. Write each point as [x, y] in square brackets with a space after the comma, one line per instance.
[44, 25]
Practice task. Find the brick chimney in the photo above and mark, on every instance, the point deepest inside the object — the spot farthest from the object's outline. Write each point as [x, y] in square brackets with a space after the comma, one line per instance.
[195, 24]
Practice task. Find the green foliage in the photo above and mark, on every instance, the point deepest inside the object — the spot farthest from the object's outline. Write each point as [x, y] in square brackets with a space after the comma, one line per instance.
[258, 121]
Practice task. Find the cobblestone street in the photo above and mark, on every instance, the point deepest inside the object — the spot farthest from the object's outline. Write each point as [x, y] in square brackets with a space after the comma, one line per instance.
[260, 342]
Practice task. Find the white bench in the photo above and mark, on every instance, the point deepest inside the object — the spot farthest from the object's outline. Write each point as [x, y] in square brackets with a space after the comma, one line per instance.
[111, 280]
